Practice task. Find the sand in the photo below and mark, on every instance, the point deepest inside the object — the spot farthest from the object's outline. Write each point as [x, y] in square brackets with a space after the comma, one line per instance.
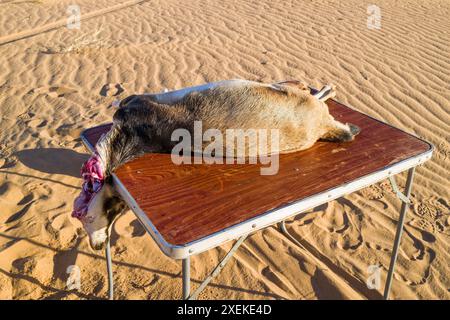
[55, 81]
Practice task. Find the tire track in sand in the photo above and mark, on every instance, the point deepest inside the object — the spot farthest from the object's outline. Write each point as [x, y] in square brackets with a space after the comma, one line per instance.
[63, 22]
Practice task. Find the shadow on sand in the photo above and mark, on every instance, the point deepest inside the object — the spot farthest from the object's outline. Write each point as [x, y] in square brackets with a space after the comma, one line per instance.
[53, 160]
[65, 258]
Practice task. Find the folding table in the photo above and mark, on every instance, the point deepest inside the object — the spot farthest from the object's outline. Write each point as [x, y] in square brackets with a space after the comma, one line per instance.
[188, 209]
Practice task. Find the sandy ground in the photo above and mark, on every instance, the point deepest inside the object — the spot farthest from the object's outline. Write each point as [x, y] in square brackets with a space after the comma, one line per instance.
[54, 81]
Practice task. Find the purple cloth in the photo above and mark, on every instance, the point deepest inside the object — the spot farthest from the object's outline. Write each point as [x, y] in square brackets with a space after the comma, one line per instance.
[93, 178]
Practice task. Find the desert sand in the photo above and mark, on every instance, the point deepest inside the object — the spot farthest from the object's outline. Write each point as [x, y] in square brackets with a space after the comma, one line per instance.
[55, 81]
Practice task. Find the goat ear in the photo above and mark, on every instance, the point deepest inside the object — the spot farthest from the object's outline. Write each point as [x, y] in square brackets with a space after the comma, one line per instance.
[279, 88]
[130, 107]
[328, 91]
[126, 101]
[293, 83]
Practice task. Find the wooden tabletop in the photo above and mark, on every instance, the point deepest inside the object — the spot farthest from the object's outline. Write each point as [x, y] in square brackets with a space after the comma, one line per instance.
[189, 202]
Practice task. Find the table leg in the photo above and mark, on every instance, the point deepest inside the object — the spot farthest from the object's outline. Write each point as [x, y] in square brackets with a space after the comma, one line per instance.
[282, 226]
[218, 268]
[186, 277]
[398, 235]
[110, 273]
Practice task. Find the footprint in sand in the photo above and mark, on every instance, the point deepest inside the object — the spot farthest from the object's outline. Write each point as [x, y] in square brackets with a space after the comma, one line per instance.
[111, 90]
[387, 187]
[6, 158]
[37, 267]
[54, 92]
[59, 221]
[62, 233]
[334, 219]
[11, 194]
[37, 123]
[71, 130]
[443, 149]
[431, 208]
[39, 190]
[442, 226]
[427, 210]
[128, 226]
[423, 225]
[414, 264]
[342, 219]
[63, 230]
[145, 284]
[434, 215]
[22, 266]
[374, 192]
[423, 230]
[13, 197]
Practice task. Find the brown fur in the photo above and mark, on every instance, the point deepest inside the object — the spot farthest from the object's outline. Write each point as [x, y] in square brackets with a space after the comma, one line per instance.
[300, 117]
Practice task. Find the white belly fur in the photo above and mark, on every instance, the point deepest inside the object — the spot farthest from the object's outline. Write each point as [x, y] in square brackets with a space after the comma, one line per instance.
[172, 97]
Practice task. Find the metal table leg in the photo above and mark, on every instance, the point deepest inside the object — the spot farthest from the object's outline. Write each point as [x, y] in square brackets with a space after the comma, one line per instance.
[282, 226]
[186, 277]
[405, 203]
[110, 273]
[217, 269]
[398, 235]
[212, 275]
